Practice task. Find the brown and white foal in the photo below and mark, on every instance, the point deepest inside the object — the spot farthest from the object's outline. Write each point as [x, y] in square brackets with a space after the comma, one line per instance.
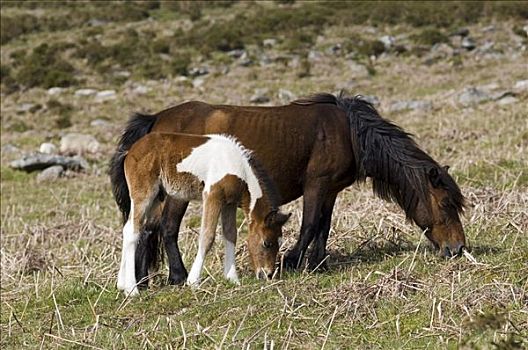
[224, 175]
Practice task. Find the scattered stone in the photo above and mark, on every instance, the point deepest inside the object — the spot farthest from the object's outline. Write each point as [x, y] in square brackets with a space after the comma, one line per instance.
[388, 41]
[197, 71]
[198, 83]
[269, 42]
[314, 56]
[50, 174]
[507, 100]
[468, 43]
[9, 148]
[55, 91]
[285, 96]
[181, 79]
[463, 32]
[85, 92]
[141, 89]
[99, 123]
[246, 62]
[334, 49]
[421, 105]
[122, 74]
[238, 53]
[471, 96]
[260, 96]
[25, 107]
[105, 95]
[521, 86]
[357, 70]
[78, 144]
[48, 148]
[373, 100]
[39, 161]
[265, 60]
[490, 28]
[95, 22]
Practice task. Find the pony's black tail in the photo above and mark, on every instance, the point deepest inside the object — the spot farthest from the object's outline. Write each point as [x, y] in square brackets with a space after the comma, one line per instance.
[388, 155]
[138, 126]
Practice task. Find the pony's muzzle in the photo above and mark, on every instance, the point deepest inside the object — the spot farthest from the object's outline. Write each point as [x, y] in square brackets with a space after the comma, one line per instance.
[265, 275]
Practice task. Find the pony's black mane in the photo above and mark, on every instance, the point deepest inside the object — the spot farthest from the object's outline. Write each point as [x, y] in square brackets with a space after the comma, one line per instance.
[267, 184]
[399, 169]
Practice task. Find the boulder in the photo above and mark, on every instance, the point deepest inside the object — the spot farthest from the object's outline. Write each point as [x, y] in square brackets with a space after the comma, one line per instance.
[50, 174]
[39, 161]
[48, 148]
[78, 144]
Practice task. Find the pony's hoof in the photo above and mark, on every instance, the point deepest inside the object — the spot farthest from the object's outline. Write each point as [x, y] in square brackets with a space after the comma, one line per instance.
[193, 283]
[176, 280]
[291, 262]
[131, 292]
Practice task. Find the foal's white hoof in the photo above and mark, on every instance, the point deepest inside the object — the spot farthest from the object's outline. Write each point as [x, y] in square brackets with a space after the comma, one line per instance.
[233, 279]
[131, 292]
[193, 283]
[120, 284]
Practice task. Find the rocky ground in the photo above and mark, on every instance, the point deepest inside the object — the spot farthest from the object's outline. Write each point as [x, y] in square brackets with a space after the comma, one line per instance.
[461, 88]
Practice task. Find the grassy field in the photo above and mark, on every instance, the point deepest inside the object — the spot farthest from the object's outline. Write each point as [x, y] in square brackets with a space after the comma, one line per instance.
[386, 287]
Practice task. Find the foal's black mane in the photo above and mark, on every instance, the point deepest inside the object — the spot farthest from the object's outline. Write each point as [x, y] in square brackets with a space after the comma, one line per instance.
[267, 184]
[399, 169]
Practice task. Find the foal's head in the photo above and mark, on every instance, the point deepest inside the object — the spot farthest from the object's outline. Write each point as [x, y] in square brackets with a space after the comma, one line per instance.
[263, 242]
[441, 221]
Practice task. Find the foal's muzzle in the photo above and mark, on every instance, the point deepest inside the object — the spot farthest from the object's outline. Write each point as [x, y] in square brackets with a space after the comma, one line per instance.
[263, 275]
[456, 250]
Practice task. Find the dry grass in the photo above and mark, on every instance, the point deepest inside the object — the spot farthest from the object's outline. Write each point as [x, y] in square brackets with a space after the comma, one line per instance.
[386, 287]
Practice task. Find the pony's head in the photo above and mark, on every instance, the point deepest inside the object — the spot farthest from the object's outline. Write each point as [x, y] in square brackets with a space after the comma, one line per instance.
[440, 218]
[263, 242]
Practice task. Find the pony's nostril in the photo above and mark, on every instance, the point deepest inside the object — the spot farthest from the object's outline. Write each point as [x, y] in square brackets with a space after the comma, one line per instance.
[447, 252]
[270, 275]
[460, 249]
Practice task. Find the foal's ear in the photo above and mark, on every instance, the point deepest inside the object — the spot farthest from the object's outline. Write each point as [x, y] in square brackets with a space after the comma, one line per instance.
[276, 219]
[434, 177]
[446, 168]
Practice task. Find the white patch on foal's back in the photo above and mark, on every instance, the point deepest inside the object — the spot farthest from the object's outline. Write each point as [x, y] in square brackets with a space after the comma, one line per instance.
[220, 156]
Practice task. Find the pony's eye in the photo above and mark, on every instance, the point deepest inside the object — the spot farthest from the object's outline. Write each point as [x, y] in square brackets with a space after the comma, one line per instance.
[267, 244]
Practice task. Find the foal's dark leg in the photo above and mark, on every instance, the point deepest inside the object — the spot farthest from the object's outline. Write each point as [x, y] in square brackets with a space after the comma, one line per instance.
[313, 197]
[170, 226]
[318, 253]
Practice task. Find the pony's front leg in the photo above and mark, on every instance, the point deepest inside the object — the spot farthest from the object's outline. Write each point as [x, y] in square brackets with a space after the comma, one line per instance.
[229, 231]
[210, 213]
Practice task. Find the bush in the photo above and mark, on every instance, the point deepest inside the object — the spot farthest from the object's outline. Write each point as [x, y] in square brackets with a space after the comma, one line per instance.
[44, 68]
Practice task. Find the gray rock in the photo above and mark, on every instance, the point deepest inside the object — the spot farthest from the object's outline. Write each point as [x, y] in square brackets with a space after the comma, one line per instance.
[421, 105]
[39, 161]
[265, 60]
[105, 95]
[488, 29]
[122, 74]
[25, 107]
[285, 96]
[198, 83]
[260, 96]
[197, 71]
[507, 100]
[269, 42]
[357, 70]
[85, 92]
[78, 144]
[95, 22]
[50, 174]
[314, 56]
[55, 91]
[334, 49]
[9, 149]
[521, 86]
[141, 89]
[374, 100]
[388, 41]
[468, 43]
[471, 96]
[48, 148]
[236, 53]
[463, 32]
[99, 123]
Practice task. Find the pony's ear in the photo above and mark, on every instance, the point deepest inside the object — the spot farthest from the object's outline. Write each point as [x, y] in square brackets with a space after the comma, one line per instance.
[434, 177]
[446, 168]
[276, 219]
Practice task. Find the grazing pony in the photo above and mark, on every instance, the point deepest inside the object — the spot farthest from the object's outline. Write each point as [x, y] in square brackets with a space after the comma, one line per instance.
[219, 171]
[313, 147]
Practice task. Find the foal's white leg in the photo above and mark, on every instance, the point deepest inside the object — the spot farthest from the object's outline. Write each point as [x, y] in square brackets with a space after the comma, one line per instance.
[122, 269]
[210, 214]
[230, 235]
[130, 238]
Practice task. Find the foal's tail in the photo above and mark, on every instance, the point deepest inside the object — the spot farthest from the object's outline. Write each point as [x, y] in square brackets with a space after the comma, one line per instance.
[138, 126]
[387, 154]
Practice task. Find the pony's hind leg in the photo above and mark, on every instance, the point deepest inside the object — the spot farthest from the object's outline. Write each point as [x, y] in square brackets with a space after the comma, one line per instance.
[210, 214]
[229, 231]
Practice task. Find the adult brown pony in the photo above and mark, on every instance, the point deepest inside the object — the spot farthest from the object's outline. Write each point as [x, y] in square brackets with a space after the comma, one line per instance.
[313, 147]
